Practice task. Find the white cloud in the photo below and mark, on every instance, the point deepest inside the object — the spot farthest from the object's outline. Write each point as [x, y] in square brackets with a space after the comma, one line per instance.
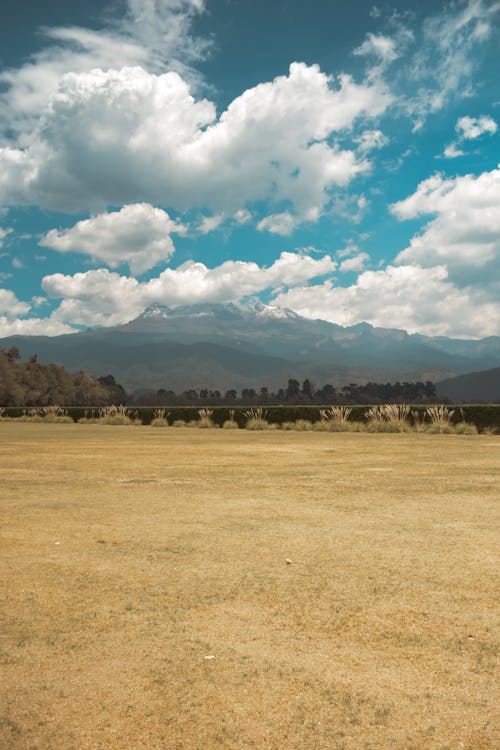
[380, 46]
[282, 224]
[137, 234]
[448, 54]
[470, 128]
[155, 34]
[124, 136]
[33, 327]
[452, 151]
[370, 140]
[242, 216]
[210, 223]
[465, 235]
[12, 325]
[10, 306]
[101, 297]
[3, 234]
[409, 297]
[357, 263]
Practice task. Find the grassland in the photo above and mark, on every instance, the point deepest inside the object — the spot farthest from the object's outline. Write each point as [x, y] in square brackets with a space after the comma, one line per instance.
[344, 583]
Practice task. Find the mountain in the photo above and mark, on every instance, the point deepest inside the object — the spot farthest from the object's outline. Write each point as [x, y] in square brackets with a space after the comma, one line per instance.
[474, 386]
[227, 345]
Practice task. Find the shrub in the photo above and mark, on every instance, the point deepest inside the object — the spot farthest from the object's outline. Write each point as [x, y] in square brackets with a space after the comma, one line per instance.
[465, 428]
[302, 425]
[230, 424]
[179, 423]
[116, 419]
[335, 414]
[159, 422]
[321, 426]
[55, 414]
[288, 426]
[205, 421]
[256, 419]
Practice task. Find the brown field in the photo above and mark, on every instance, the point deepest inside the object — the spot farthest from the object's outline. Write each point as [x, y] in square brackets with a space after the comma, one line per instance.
[344, 583]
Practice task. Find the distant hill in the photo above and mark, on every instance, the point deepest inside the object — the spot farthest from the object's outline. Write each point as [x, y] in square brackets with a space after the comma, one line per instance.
[474, 386]
[226, 345]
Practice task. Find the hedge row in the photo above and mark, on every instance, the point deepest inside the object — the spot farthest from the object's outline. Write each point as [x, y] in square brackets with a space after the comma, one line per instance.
[482, 415]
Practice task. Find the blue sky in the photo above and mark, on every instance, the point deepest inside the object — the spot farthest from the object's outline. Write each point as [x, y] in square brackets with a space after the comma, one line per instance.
[340, 159]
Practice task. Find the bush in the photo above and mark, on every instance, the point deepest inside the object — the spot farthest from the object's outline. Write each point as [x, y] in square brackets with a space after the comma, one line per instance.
[257, 424]
[464, 428]
[301, 425]
[158, 422]
[116, 419]
[230, 424]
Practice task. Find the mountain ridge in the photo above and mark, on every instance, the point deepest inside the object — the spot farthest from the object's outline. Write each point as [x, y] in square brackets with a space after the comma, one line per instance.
[229, 345]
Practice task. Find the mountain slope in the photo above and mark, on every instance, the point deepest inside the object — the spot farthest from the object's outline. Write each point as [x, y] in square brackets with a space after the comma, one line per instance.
[474, 386]
[222, 346]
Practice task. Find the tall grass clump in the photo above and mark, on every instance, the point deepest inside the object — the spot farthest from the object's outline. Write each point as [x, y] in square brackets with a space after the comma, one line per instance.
[160, 418]
[91, 417]
[256, 419]
[56, 415]
[465, 428]
[205, 421]
[231, 423]
[387, 418]
[31, 415]
[336, 419]
[302, 425]
[116, 415]
[441, 419]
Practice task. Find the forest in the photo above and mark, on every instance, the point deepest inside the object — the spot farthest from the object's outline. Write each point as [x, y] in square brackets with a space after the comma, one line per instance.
[30, 383]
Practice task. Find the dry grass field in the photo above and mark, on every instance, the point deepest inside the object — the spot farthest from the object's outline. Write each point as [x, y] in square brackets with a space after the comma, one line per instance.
[344, 583]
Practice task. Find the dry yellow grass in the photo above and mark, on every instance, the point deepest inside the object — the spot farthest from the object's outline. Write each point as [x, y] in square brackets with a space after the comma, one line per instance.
[345, 584]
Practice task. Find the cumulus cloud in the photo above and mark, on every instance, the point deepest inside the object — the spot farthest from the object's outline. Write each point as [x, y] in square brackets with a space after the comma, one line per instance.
[470, 128]
[357, 263]
[10, 306]
[13, 325]
[102, 297]
[120, 136]
[138, 235]
[210, 223]
[465, 233]
[33, 327]
[282, 224]
[154, 34]
[410, 297]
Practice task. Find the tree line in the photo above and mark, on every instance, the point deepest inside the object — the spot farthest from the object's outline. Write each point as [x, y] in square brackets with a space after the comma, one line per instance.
[295, 393]
[30, 383]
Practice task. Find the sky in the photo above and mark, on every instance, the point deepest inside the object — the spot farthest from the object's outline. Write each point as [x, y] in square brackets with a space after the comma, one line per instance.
[338, 159]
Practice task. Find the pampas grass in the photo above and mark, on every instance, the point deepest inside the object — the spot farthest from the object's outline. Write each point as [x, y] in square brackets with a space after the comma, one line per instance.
[231, 423]
[256, 419]
[440, 417]
[205, 421]
[160, 418]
